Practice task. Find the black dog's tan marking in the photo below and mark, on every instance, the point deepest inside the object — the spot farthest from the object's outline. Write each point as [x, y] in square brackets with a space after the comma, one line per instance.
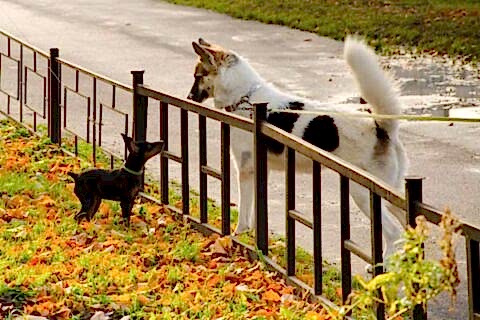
[119, 185]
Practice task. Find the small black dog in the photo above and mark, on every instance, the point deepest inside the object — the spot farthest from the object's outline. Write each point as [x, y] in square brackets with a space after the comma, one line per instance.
[120, 185]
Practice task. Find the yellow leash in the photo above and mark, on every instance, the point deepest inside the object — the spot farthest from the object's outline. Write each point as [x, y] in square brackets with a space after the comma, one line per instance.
[379, 116]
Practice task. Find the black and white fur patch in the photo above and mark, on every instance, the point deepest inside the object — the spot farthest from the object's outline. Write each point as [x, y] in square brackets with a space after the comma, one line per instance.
[285, 121]
[373, 146]
[323, 133]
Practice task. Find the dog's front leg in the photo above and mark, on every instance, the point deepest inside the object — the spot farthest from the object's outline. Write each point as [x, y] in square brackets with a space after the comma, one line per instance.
[244, 164]
[94, 207]
[87, 201]
[126, 206]
[246, 189]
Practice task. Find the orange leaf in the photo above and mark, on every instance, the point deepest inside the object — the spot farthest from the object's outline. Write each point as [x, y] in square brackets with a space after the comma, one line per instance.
[104, 209]
[275, 286]
[212, 264]
[34, 261]
[213, 281]
[143, 300]
[45, 201]
[287, 290]
[307, 278]
[271, 295]
[229, 289]
[338, 291]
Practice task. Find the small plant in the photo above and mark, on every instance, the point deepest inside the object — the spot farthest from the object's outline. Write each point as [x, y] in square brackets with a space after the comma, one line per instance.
[411, 279]
[14, 297]
[186, 250]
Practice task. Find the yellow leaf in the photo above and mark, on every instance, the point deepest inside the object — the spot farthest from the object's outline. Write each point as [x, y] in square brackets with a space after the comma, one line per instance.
[123, 299]
[312, 315]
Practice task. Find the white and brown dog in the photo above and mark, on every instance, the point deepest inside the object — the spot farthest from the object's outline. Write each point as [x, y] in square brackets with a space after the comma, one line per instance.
[372, 145]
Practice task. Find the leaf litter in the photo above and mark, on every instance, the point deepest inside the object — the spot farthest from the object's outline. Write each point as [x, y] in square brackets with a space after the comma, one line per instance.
[53, 268]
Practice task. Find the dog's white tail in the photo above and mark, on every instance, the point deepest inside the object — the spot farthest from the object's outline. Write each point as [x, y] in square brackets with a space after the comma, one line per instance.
[375, 85]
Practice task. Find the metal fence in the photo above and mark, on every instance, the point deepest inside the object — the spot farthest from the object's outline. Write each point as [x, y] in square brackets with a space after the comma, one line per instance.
[63, 81]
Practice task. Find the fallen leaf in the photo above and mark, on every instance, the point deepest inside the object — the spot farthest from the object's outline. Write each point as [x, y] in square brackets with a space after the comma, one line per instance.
[99, 315]
[271, 295]
[143, 300]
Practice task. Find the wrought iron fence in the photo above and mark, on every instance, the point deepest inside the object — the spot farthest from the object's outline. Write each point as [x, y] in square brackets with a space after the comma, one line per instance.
[58, 86]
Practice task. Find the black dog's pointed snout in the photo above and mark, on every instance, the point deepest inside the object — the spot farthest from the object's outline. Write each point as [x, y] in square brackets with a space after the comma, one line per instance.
[190, 96]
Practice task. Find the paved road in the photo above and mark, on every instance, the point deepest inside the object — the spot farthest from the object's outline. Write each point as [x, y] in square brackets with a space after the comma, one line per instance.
[115, 37]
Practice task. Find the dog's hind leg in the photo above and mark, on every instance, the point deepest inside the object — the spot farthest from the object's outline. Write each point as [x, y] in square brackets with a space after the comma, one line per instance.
[391, 228]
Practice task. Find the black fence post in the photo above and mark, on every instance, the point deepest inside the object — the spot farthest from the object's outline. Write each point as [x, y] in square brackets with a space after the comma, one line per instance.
[140, 111]
[260, 156]
[290, 205]
[225, 166]
[414, 194]
[346, 262]
[202, 156]
[317, 227]
[163, 158]
[473, 272]
[54, 112]
[185, 163]
[376, 243]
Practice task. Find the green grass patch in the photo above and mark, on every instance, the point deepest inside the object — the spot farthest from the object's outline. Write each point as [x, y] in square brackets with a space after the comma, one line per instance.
[433, 26]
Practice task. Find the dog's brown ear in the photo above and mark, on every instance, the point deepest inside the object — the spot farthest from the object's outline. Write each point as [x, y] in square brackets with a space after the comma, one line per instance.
[207, 59]
[129, 143]
[204, 43]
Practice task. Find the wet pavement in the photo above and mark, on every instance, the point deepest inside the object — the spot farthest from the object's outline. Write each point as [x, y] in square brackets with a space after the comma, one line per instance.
[115, 37]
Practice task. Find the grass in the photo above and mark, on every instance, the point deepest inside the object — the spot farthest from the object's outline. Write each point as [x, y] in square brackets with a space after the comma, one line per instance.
[432, 26]
[160, 268]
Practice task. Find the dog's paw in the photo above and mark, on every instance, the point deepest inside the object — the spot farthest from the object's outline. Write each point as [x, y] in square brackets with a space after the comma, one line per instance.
[240, 230]
[368, 269]
[79, 216]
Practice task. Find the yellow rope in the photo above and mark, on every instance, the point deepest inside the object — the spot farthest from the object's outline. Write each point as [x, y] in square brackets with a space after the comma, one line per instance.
[378, 116]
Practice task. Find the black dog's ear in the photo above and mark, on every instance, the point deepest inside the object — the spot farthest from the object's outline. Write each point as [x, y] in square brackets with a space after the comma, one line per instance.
[128, 142]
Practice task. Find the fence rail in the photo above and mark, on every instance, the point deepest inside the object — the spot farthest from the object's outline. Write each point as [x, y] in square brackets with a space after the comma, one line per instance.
[57, 93]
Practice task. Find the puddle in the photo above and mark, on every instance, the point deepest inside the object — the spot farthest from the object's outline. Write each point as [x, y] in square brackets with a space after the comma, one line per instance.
[474, 170]
[436, 86]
